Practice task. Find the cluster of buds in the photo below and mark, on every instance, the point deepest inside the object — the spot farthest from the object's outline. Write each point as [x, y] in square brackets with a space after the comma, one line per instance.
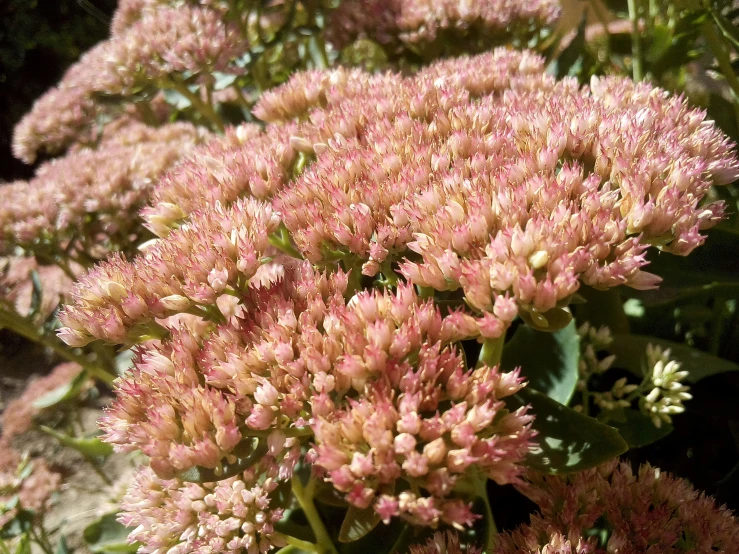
[647, 511]
[19, 414]
[667, 393]
[219, 249]
[433, 28]
[84, 203]
[443, 543]
[232, 515]
[372, 383]
[524, 194]
[246, 161]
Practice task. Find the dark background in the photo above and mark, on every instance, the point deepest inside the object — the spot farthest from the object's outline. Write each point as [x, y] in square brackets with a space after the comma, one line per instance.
[39, 39]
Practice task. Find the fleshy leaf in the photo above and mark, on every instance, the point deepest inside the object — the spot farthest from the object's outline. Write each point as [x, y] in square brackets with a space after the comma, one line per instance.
[358, 523]
[636, 428]
[107, 536]
[64, 393]
[87, 447]
[548, 360]
[630, 351]
[568, 441]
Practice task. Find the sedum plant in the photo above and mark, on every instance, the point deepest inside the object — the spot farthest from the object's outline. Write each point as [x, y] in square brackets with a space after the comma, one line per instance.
[358, 301]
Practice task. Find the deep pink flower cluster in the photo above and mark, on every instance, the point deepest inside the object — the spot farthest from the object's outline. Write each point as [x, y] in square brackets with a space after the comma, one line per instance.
[420, 26]
[85, 202]
[524, 194]
[646, 511]
[155, 51]
[231, 516]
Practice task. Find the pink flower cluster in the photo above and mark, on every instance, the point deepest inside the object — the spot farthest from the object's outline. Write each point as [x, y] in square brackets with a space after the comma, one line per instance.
[311, 109]
[523, 194]
[372, 382]
[443, 543]
[84, 202]
[155, 51]
[218, 248]
[647, 511]
[19, 414]
[230, 516]
[441, 26]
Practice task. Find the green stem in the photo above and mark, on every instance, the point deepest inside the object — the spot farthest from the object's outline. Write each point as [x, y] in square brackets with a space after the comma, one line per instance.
[25, 328]
[3, 548]
[317, 49]
[39, 541]
[282, 240]
[304, 496]
[97, 469]
[491, 352]
[205, 109]
[295, 545]
[636, 50]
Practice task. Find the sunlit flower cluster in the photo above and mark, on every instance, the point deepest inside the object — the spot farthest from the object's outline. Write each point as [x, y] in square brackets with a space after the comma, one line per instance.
[218, 248]
[442, 543]
[428, 28]
[667, 393]
[646, 511]
[231, 515]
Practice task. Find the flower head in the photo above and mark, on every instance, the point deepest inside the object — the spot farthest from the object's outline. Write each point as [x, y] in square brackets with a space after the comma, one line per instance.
[646, 511]
[232, 515]
[443, 25]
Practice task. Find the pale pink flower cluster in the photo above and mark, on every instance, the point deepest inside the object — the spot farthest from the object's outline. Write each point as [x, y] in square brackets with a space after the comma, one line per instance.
[439, 26]
[232, 516]
[308, 111]
[190, 401]
[372, 382]
[85, 202]
[539, 538]
[426, 422]
[443, 543]
[243, 162]
[33, 492]
[218, 248]
[18, 416]
[162, 46]
[646, 511]
[523, 195]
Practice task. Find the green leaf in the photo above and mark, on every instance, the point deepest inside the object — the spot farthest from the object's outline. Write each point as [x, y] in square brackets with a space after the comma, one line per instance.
[176, 99]
[253, 451]
[630, 351]
[358, 523]
[24, 545]
[223, 80]
[87, 447]
[566, 63]
[568, 441]
[20, 524]
[108, 535]
[553, 320]
[36, 294]
[548, 360]
[64, 393]
[62, 547]
[636, 428]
